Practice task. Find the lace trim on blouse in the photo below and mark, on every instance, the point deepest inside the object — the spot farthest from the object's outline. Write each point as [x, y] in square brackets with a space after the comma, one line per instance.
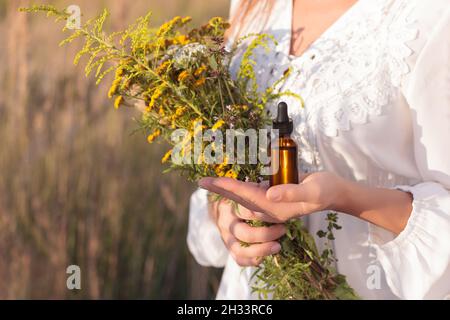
[348, 78]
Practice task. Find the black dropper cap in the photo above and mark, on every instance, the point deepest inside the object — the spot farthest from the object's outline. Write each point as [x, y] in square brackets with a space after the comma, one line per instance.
[282, 121]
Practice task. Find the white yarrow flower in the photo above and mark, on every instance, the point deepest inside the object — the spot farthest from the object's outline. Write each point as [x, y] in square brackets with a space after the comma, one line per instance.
[186, 54]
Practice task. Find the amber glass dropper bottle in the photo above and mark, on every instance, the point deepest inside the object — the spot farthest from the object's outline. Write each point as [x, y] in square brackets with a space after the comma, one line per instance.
[286, 150]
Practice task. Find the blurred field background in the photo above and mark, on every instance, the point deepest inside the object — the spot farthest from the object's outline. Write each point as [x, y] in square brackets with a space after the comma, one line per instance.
[75, 186]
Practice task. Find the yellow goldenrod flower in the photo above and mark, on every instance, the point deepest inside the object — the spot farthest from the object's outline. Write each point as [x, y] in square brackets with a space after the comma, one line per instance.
[163, 67]
[175, 20]
[153, 136]
[220, 169]
[166, 156]
[186, 20]
[198, 119]
[117, 80]
[118, 102]
[200, 82]
[168, 26]
[183, 76]
[161, 42]
[231, 174]
[179, 111]
[119, 72]
[200, 70]
[161, 112]
[155, 96]
[218, 125]
[181, 40]
[113, 90]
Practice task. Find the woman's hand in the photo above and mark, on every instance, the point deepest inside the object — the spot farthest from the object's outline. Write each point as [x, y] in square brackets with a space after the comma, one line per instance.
[316, 192]
[387, 208]
[233, 229]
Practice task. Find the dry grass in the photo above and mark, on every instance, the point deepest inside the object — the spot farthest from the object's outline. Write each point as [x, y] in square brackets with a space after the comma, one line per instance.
[75, 186]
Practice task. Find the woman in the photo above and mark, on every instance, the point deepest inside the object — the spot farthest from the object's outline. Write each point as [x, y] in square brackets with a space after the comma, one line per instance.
[373, 145]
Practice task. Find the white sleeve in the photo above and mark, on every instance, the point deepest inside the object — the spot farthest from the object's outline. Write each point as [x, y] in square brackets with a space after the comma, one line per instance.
[203, 239]
[231, 36]
[417, 261]
[234, 5]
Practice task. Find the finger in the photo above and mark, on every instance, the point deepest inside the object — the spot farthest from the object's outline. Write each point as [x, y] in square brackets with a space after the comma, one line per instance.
[247, 214]
[288, 193]
[243, 260]
[264, 184]
[231, 190]
[247, 262]
[253, 198]
[249, 234]
[302, 176]
[226, 218]
[229, 240]
[241, 212]
[255, 184]
[244, 213]
[255, 250]
[278, 212]
[241, 189]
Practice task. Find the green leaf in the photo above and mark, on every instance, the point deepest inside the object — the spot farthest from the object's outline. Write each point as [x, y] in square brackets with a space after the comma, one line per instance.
[321, 234]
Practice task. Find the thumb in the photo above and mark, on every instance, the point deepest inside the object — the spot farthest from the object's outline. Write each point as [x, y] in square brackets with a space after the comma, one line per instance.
[286, 193]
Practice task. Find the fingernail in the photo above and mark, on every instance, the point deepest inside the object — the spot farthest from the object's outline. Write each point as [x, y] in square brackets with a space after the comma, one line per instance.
[274, 195]
[275, 248]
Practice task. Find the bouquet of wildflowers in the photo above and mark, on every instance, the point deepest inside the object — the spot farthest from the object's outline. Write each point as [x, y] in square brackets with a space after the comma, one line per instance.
[179, 77]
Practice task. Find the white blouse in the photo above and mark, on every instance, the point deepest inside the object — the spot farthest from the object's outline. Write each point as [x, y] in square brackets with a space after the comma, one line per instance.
[376, 87]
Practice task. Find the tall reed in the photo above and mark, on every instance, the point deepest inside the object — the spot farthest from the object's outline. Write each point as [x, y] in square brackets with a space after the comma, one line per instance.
[73, 188]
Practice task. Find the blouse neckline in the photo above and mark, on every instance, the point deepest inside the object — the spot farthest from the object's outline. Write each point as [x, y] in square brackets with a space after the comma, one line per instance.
[327, 31]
